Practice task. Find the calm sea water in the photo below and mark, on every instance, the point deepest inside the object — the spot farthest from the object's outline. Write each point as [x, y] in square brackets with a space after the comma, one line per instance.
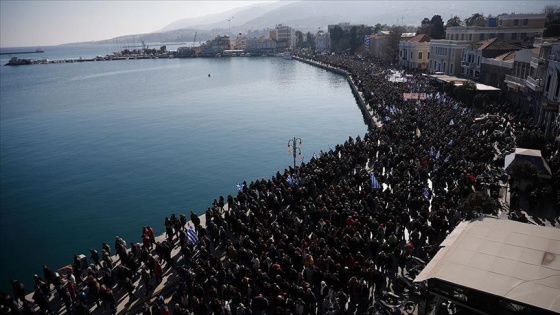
[93, 150]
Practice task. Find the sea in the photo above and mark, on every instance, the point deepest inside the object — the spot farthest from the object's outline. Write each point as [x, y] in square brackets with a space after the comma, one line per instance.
[94, 150]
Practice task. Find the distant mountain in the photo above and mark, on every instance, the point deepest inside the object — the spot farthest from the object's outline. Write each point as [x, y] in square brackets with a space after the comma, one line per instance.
[309, 15]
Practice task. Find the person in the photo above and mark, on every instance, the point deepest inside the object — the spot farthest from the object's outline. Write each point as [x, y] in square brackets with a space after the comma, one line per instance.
[19, 291]
[146, 280]
[95, 257]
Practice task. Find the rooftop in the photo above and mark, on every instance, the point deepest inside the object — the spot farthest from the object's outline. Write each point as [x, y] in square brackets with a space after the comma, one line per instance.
[517, 261]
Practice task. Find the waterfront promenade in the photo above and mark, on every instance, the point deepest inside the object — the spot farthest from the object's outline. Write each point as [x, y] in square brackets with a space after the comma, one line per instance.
[327, 238]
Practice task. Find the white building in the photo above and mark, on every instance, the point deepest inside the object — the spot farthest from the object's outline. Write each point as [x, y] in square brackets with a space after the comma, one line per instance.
[443, 52]
[414, 53]
[551, 93]
[284, 36]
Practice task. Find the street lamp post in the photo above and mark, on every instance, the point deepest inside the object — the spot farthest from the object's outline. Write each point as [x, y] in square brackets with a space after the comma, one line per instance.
[294, 147]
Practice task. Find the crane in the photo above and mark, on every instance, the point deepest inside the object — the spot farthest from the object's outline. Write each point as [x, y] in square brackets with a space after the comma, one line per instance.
[194, 40]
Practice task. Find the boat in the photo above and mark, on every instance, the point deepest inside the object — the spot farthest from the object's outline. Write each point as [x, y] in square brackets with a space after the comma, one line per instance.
[39, 50]
[286, 55]
[15, 61]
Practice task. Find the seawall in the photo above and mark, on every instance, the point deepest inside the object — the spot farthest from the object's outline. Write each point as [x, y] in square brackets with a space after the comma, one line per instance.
[367, 112]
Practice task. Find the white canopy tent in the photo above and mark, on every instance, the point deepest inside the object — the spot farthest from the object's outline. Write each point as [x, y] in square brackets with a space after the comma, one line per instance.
[517, 261]
[529, 156]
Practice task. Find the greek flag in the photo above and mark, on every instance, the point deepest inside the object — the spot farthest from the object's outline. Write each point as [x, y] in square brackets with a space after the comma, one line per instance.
[240, 187]
[447, 158]
[290, 180]
[366, 41]
[437, 155]
[451, 123]
[450, 142]
[455, 106]
[464, 111]
[192, 237]
[426, 193]
[315, 156]
[374, 183]
[431, 151]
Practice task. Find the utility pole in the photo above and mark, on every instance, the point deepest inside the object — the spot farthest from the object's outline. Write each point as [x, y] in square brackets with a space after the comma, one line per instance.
[294, 147]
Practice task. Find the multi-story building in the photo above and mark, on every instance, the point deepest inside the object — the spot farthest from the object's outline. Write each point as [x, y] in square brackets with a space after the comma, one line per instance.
[284, 36]
[414, 53]
[322, 42]
[551, 92]
[474, 53]
[215, 46]
[516, 81]
[493, 71]
[443, 52]
[261, 45]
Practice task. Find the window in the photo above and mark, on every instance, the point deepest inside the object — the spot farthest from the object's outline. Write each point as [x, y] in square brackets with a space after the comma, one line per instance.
[420, 55]
[492, 35]
[478, 60]
[481, 36]
[548, 84]
[513, 36]
[470, 37]
[411, 55]
[451, 69]
[501, 36]
[525, 22]
[444, 67]
[428, 55]
[523, 35]
[515, 22]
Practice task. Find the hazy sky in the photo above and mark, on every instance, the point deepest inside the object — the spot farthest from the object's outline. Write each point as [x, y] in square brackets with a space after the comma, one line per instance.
[43, 23]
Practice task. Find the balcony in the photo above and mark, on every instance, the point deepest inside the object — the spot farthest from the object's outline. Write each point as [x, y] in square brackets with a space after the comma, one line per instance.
[537, 62]
[468, 65]
[514, 81]
[534, 84]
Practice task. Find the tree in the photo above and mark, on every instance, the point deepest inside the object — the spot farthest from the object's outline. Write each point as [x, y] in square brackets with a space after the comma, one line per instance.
[454, 21]
[438, 31]
[310, 41]
[479, 202]
[523, 171]
[466, 92]
[434, 27]
[477, 19]
[336, 34]
[552, 23]
[377, 28]
[425, 27]
[391, 46]
[163, 49]
[530, 139]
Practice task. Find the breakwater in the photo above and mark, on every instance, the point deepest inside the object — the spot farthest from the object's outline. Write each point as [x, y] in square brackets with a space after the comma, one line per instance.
[369, 118]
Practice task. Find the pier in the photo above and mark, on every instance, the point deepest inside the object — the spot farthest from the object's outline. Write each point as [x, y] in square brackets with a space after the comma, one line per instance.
[38, 51]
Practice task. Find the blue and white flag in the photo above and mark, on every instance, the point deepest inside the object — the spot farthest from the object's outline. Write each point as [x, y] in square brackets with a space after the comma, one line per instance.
[455, 106]
[431, 151]
[192, 237]
[315, 156]
[447, 158]
[426, 193]
[437, 155]
[240, 187]
[464, 111]
[290, 180]
[451, 123]
[375, 183]
[450, 142]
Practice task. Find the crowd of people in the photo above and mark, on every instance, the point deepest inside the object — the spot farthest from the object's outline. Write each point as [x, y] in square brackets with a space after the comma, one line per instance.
[321, 239]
